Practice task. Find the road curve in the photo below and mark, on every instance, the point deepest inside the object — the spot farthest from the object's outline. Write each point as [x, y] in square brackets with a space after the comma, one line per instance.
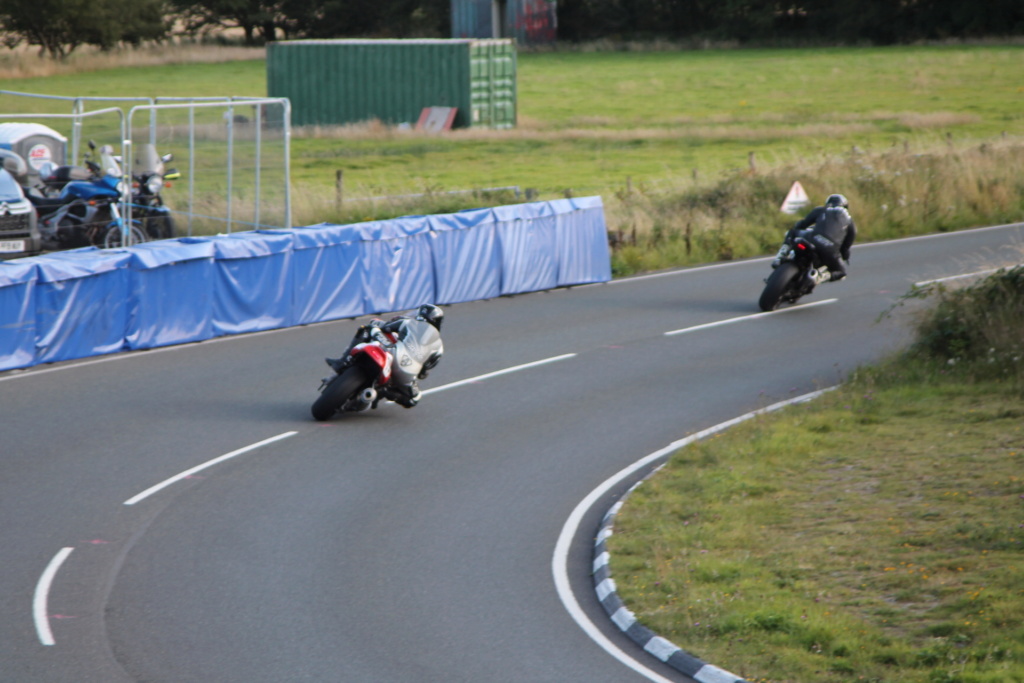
[175, 515]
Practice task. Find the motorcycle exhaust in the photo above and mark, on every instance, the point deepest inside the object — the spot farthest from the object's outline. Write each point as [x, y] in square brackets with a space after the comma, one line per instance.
[368, 396]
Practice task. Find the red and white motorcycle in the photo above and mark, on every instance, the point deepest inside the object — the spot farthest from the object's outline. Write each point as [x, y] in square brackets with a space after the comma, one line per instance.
[369, 372]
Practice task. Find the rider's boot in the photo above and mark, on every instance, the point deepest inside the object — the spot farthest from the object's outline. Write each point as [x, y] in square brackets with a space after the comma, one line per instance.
[783, 252]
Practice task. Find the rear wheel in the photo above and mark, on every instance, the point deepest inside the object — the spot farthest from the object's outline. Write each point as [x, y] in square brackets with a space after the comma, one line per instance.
[778, 283]
[339, 390]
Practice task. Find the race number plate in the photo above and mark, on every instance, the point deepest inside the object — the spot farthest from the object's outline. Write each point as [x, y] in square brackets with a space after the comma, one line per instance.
[12, 245]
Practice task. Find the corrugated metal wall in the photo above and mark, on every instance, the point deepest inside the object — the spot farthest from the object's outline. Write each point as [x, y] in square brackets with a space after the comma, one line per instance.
[332, 82]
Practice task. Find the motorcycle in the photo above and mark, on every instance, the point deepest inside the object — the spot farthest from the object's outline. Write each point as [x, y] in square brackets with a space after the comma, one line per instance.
[149, 177]
[361, 377]
[799, 271]
[85, 212]
[367, 372]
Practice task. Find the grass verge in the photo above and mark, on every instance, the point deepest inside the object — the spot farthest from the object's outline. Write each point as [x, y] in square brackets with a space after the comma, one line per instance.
[876, 534]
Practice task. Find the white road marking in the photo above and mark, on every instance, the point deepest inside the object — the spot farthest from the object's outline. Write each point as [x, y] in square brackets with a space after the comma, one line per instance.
[480, 378]
[560, 559]
[42, 596]
[979, 273]
[743, 318]
[210, 463]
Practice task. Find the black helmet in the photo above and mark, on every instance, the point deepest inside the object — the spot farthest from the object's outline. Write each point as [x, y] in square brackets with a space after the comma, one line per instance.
[837, 200]
[432, 314]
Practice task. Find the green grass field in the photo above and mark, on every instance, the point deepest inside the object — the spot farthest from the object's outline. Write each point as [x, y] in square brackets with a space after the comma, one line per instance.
[588, 121]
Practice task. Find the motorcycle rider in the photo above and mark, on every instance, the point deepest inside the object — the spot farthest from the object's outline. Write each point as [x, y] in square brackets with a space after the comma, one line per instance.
[831, 227]
[415, 342]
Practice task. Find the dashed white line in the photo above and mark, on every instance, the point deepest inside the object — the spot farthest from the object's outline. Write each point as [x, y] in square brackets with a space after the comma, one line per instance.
[480, 378]
[744, 318]
[198, 468]
[42, 597]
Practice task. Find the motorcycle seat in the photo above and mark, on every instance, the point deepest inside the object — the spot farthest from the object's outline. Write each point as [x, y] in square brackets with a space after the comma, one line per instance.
[46, 202]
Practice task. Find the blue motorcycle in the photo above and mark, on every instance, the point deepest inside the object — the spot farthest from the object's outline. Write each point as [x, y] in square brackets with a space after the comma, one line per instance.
[85, 212]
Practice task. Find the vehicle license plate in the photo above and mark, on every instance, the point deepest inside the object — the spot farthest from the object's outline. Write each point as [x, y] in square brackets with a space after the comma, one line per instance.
[12, 245]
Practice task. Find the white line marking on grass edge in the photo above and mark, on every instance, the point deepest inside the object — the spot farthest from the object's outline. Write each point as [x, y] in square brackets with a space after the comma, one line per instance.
[752, 316]
[559, 561]
[210, 463]
[480, 378]
[42, 595]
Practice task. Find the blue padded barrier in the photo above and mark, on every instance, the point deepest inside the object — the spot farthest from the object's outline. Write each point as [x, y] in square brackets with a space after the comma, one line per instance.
[529, 261]
[326, 286]
[581, 241]
[18, 304]
[81, 303]
[252, 282]
[396, 266]
[467, 256]
[171, 293]
[88, 302]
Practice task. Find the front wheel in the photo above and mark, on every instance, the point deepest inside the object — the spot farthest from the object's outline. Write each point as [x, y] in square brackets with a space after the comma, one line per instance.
[112, 237]
[160, 227]
[338, 391]
[779, 282]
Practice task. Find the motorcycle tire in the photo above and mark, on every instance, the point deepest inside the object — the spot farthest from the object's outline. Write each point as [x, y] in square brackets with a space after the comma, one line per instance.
[339, 390]
[779, 282]
[160, 227]
[111, 238]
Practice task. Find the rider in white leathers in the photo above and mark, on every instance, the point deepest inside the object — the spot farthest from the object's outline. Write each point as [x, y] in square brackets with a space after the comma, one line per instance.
[414, 341]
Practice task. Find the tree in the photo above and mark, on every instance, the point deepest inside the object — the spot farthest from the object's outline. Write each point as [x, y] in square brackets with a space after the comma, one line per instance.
[58, 27]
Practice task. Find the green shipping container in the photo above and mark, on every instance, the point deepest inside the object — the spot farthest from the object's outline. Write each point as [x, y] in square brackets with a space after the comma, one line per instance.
[333, 82]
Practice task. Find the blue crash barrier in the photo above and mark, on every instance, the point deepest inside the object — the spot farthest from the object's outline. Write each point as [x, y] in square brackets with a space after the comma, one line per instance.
[18, 305]
[81, 303]
[87, 302]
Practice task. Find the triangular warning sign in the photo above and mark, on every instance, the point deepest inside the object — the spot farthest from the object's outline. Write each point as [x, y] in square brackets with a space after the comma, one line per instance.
[796, 199]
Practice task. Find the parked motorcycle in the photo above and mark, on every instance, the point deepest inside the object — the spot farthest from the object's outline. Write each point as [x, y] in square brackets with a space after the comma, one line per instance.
[149, 177]
[85, 212]
[799, 271]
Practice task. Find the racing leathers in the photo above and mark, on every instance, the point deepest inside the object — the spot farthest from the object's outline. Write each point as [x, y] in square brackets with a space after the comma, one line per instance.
[832, 229]
[416, 347]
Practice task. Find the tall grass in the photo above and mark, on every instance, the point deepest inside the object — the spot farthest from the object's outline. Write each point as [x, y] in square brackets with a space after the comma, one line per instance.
[895, 193]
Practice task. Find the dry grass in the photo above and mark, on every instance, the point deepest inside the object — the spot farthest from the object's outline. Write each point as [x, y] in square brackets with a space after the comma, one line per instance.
[24, 62]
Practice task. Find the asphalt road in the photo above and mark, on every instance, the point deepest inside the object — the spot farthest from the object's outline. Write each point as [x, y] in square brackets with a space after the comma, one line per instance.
[399, 545]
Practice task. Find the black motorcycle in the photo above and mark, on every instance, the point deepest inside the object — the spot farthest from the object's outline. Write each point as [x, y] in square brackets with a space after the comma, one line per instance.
[149, 177]
[799, 271]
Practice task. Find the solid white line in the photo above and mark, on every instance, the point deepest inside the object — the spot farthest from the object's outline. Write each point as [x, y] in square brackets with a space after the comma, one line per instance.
[41, 597]
[198, 468]
[559, 561]
[753, 316]
[480, 378]
[925, 283]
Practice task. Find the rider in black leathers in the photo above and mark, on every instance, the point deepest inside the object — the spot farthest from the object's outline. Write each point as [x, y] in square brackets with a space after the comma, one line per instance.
[831, 228]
